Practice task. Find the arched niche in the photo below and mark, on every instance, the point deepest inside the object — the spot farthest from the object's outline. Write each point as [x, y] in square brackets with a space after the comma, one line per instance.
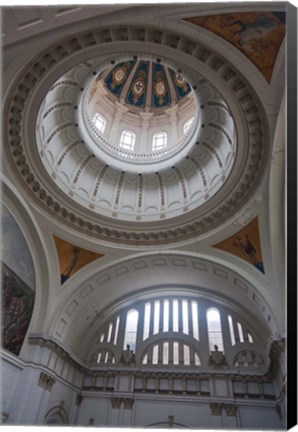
[56, 416]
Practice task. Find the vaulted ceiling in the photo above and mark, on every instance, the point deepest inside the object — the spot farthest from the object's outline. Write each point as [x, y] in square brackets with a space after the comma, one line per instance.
[186, 219]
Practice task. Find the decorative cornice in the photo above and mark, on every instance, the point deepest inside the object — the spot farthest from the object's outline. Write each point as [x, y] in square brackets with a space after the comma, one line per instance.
[113, 370]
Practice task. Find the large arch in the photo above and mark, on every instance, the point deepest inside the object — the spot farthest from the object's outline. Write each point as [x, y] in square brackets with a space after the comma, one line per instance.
[79, 315]
[33, 235]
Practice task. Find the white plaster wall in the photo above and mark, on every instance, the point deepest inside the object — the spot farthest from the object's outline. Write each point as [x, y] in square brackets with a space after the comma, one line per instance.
[24, 400]
[96, 408]
[258, 417]
[10, 374]
[188, 413]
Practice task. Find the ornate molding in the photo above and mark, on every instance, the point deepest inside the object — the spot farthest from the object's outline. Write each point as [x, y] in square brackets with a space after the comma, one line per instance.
[217, 359]
[19, 98]
[277, 348]
[79, 399]
[127, 358]
[128, 403]
[231, 410]
[217, 408]
[46, 381]
[117, 402]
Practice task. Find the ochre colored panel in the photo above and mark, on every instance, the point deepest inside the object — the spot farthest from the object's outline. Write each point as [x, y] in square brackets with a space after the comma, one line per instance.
[245, 244]
[72, 258]
[258, 35]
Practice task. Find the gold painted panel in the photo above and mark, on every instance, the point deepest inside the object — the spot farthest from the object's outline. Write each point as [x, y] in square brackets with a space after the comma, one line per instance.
[245, 244]
[72, 258]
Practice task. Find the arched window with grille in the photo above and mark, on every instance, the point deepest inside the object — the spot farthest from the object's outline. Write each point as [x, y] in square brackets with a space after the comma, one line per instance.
[171, 331]
[100, 122]
[214, 329]
[159, 141]
[127, 140]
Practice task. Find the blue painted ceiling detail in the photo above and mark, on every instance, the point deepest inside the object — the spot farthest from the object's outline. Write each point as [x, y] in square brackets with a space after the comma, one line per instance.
[182, 87]
[130, 81]
[118, 76]
[161, 93]
[136, 94]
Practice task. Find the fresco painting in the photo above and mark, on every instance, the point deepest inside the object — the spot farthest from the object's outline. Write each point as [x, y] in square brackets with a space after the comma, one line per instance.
[18, 284]
[258, 35]
[17, 307]
[245, 244]
[72, 258]
[15, 252]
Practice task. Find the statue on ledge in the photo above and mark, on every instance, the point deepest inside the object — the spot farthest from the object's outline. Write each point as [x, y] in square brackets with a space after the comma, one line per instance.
[128, 357]
[217, 358]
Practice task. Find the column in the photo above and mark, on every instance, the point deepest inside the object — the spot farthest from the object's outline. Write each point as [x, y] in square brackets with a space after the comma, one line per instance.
[145, 144]
[161, 316]
[225, 332]
[204, 340]
[140, 331]
[113, 137]
[236, 333]
[121, 331]
[152, 311]
[170, 352]
[180, 321]
[173, 139]
[190, 326]
[170, 315]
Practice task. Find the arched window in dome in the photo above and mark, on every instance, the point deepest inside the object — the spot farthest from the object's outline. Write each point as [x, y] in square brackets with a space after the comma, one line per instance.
[214, 329]
[187, 125]
[159, 141]
[131, 329]
[127, 140]
[100, 122]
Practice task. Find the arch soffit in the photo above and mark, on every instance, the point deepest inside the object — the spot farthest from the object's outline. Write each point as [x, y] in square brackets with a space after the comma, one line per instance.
[128, 281]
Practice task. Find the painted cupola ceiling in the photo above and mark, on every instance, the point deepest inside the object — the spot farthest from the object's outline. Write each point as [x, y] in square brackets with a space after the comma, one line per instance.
[146, 84]
[140, 142]
[116, 138]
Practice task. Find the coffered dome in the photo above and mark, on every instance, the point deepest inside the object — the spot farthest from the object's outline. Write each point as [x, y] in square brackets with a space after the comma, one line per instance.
[122, 165]
[123, 159]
